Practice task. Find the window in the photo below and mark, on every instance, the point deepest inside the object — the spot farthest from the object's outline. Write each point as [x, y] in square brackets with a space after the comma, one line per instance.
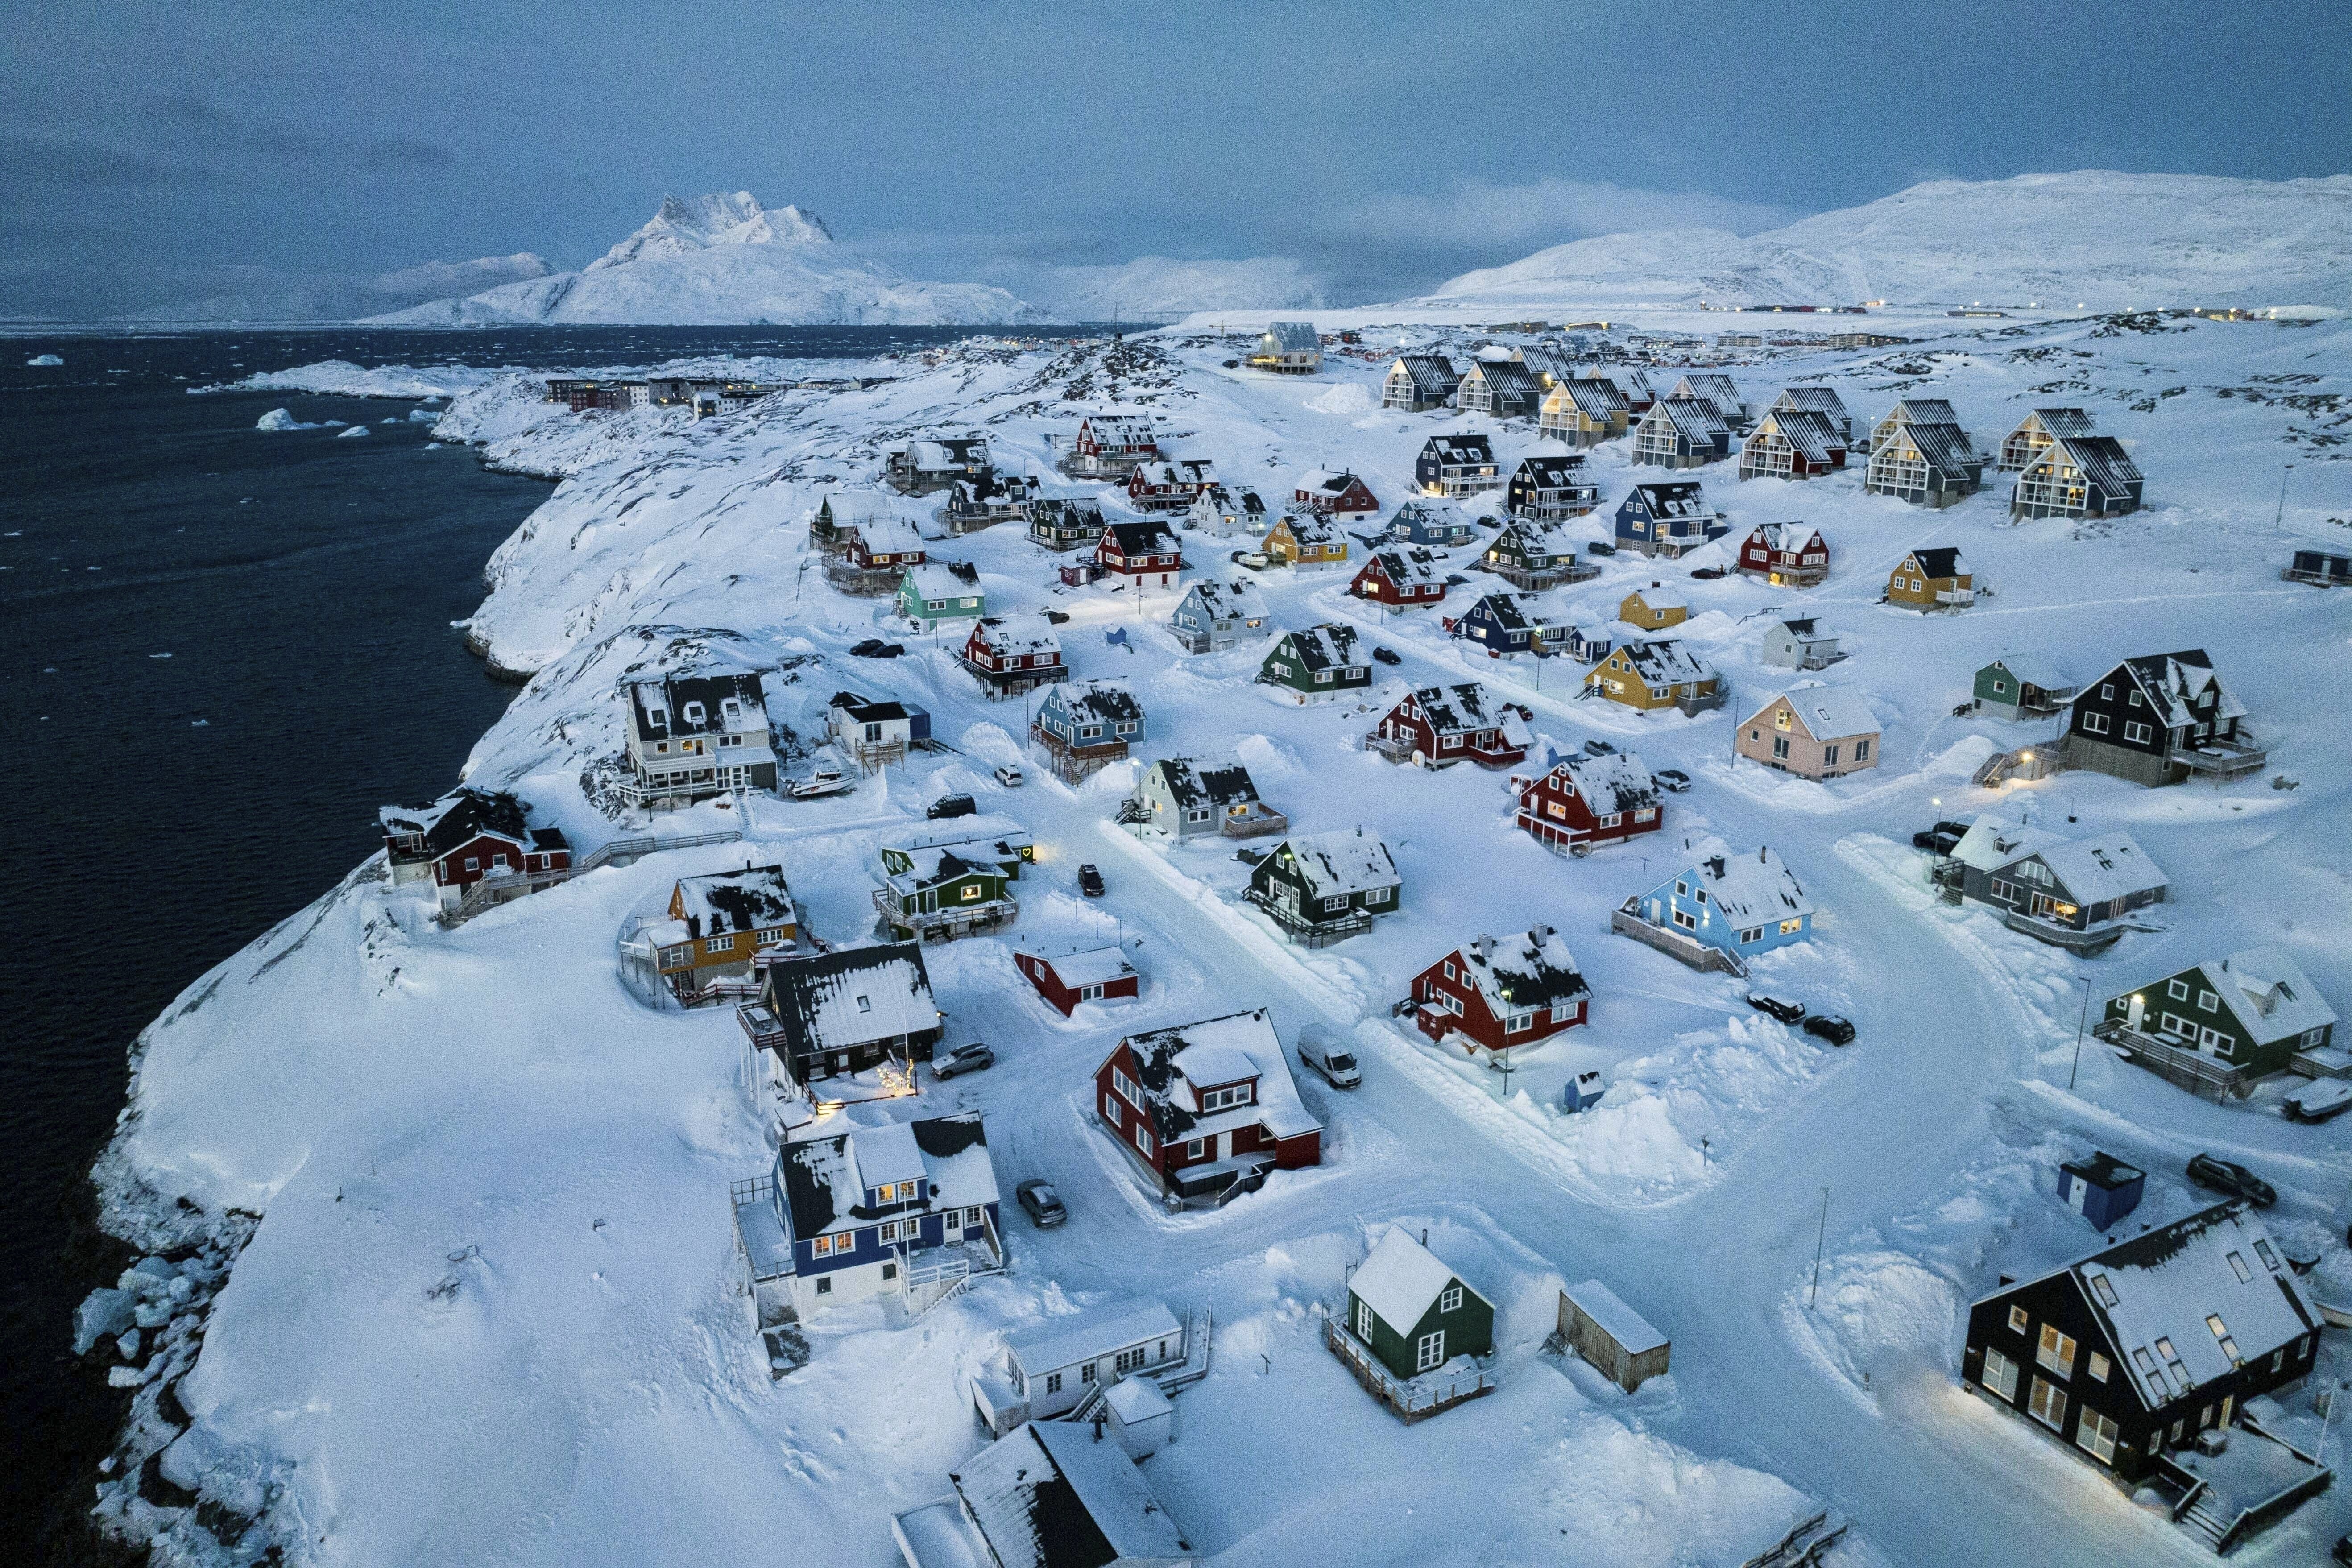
[1829, 756]
[1322, 678]
[1753, 935]
[890, 1230]
[1429, 1351]
[2208, 1003]
[2095, 723]
[2016, 1319]
[2055, 1351]
[2099, 1367]
[2221, 1337]
[1684, 920]
[1052, 1383]
[1452, 1300]
[1110, 1111]
[473, 863]
[821, 1248]
[1087, 1373]
[2238, 1262]
[2108, 693]
[889, 1271]
[2096, 1437]
[824, 1285]
[1364, 1322]
[974, 1217]
[1143, 1140]
[2104, 1289]
[1781, 748]
[2270, 1260]
[2048, 1405]
[2000, 1374]
[1195, 1147]
[2176, 989]
[1861, 751]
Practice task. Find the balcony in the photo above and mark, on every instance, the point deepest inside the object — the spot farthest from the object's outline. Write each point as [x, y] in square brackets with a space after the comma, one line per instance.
[2177, 1063]
[2218, 758]
[945, 924]
[1956, 598]
[1254, 819]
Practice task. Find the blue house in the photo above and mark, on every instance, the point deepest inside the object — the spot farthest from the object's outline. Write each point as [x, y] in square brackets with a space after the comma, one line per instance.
[1506, 625]
[1424, 522]
[1667, 519]
[1742, 904]
[2102, 1188]
[909, 1210]
[1085, 725]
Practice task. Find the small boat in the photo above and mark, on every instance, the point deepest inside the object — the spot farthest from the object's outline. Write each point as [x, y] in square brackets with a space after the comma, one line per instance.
[828, 779]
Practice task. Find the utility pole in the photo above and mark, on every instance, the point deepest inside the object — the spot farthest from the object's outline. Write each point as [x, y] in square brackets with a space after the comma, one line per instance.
[2079, 1025]
[2278, 518]
[1820, 1236]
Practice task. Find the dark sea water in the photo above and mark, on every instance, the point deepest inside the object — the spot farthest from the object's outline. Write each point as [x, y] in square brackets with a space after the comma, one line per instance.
[164, 811]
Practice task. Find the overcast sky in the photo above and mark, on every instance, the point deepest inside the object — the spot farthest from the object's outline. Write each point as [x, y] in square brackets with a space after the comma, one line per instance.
[151, 154]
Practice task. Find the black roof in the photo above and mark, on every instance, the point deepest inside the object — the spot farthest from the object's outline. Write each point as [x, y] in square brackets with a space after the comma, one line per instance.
[1552, 472]
[797, 989]
[2103, 1170]
[676, 691]
[1471, 447]
[1143, 538]
[1940, 560]
[467, 811]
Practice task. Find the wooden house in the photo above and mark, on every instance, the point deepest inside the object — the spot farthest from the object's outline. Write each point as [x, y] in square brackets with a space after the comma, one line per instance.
[1012, 654]
[1169, 486]
[875, 732]
[2101, 1188]
[1498, 995]
[1929, 579]
[1651, 675]
[944, 891]
[1090, 975]
[1340, 495]
[1049, 1368]
[1669, 519]
[1101, 1508]
[1584, 803]
[1551, 489]
[1062, 522]
[1791, 444]
[1680, 433]
[839, 515]
[1617, 1341]
[2037, 432]
[1504, 388]
[920, 467]
[1110, 446]
[1083, 725]
[1306, 541]
[2159, 719]
[1145, 555]
[986, 501]
[709, 930]
[469, 837]
[998, 841]
[1431, 525]
[1215, 615]
[2247, 1016]
[1317, 665]
[1717, 392]
[2146, 1343]
[1785, 554]
[2077, 476]
[2072, 893]
[1413, 1312]
[1206, 1107]
[1506, 625]
[1288, 348]
[1227, 513]
[1535, 556]
[1438, 726]
[695, 737]
[1321, 888]
[1194, 797]
[1800, 644]
[1416, 382]
[1583, 411]
[1654, 608]
[1918, 452]
[2017, 686]
[2320, 568]
[1453, 467]
[938, 591]
[1632, 384]
[1739, 904]
[846, 1010]
[1400, 577]
[1814, 398]
[1815, 730]
[884, 544]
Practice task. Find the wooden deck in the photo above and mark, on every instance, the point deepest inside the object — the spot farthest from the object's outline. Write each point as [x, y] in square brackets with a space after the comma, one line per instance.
[1412, 1400]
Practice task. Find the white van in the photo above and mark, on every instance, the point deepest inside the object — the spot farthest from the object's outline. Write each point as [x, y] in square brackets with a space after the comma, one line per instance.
[1328, 1054]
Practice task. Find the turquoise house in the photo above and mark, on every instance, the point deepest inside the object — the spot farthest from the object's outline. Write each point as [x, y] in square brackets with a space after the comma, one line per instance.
[936, 591]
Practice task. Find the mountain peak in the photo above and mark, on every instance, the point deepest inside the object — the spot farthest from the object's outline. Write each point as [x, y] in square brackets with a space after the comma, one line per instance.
[688, 224]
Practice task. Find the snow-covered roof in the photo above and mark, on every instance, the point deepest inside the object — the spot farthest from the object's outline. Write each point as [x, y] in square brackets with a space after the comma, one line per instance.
[1922, 411]
[1998, 837]
[1509, 378]
[1713, 389]
[1658, 597]
[1694, 420]
[1809, 630]
[887, 536]
[1142, 537]
[1156, 1054]
[1809, 433]
[937, 580]
[2268, 993]
[1432, 373]
[1828, 711]
[1468, 447]
[2097, 870]
[1049, 1494]
[1108, 700]
[1784, 538]
[2058, 422]
[850, 996]
[1671, 498]
[1944, 447]
[696, 705]
[1751, 890]
[1330, 646]
[928, 865]
[1616, 782]
[1088, 1335]
[1632, 1331]
[2034, 670]
[1815, 398]
[1334, 482]
[1406, 565]
[1461, 708]
[1553, 471]
[1593, 398]
[749, 900]
[1310, 530]
[1011, 635]
[1401, 1279]
[1206, 1063]
[1526, 970]
[1293, 337]
[2174, 681]
[1088, 967]
[1344, 861]
[1940, 562]
[1238, 600]
[997, 835]
[825, 1182]
[1218, 781]
[1664, 662]
[2100, 459]
[1120, 429]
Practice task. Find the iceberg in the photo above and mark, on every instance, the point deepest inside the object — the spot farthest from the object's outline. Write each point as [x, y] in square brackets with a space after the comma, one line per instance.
[42, 361]
[280, 419]
[354, 430]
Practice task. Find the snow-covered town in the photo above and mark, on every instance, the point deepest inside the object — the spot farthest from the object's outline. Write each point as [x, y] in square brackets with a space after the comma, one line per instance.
[1354, 939]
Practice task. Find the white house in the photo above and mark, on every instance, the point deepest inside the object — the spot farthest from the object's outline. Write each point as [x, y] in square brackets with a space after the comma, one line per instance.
[692, 737]
[1050, 1368]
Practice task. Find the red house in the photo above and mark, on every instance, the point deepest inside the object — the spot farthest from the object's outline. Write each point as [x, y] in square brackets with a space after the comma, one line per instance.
[1097, 974]
[1145, 553]
[466, 837]
[1169, 487]
[1499, 994]
[1437, 726]
[1015, 653]
[1112, 444]
[1400, 576]
[886, 545]
[1340, 495]
[1202, 1108]
[1586, 802]
[1786, 555]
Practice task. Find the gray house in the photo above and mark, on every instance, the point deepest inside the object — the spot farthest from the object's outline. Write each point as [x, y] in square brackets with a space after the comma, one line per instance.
[1215, 615]
[2072, 893]
[1918, 452]
[1194, 797]
[1804, 644]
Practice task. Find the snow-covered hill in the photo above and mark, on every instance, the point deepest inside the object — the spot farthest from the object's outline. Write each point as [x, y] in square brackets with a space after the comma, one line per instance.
[723, 260]
[1163, 288]
[2095, 237]
[281, 297]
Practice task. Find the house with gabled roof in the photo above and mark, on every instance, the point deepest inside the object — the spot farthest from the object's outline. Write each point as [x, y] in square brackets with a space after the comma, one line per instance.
[1321, 888]
[1110, 446]
[709, 930]
[1816, 731]
[1583, 411]
[883, 544]
[1318, 664]
[1208, 1109]
[692, 737]
[1930, 579]
[1340, 495]
[1504, 388]
[1288, 348]
[1654, 608]
[1680, 433]
[983, 839]
[1453, 466]
[1052, 1366]
[1089, 974]
[470, 837]
[938, 591]
[1164, 485]
[1432, 524]
[1194, 797]
[1552, 488]
[1047, 1494]
[1737, 904]
[842, 1011]
[1802, 643]
[2077, 476]
[1438, 726]
[1415, 1316]
[876, 730]
[1415, 382]
[1309, 541]
[1145, 553]
[1662, 672]
[1717, 391]
[2075, 893]
[2146, 1343]
[2246, 1017]
[1066, 523]
[1216, 615]
[1811, 397]
[1506, 625]
[1918, 452]
[1584, 803]
[1012, 654]
[2038, 431]
[1499, 994]
[986, 499]
[1784, 555]
[1534, 556]
[1083, 726]
[1669, 518]
[1227, 513]
[1791, 444]
[2159, 719]
[922, 466]
[1400, 577]
[2018, 687]
[941, 891]
[1631, 383]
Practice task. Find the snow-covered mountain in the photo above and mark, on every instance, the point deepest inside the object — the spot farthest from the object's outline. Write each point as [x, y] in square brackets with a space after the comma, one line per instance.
[2096, 237]
[725, 261]
[269, 296]
[1163, 288]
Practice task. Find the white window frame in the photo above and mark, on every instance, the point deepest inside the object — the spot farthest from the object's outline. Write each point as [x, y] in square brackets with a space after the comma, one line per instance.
[2000, 1376]
[1428, 1352]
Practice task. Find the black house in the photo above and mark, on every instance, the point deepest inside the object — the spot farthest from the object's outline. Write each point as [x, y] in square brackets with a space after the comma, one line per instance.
[845, 1011]
[2157, 719]
[2139, 1347]
[1451, 467]
[1550, 489]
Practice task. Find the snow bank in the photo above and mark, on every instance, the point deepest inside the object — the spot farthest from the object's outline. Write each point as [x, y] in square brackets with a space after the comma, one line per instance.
[1348, 397]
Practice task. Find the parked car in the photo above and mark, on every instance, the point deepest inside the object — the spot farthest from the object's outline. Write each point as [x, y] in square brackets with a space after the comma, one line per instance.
[1673, 779]
[1597, 547]
[1059, 618]
[1388, 655]
[1038, 1199]
[2318, 1100]
[1780, 1007]
[1248, 857]
[1090, 880]
[1935, 841]
[964, 1058]
[1328, 1054]
[1600, 749]
[1957, 829]
[1831, 1028]
[1706, 573]
[1255, 560]
[951, 805]
[1456, 580]
[1009, 776]
[874, 648]
[1231, 364]
[2227, 1177]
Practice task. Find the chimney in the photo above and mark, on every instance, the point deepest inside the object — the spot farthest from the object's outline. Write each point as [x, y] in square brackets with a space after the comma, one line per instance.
[1761, 856]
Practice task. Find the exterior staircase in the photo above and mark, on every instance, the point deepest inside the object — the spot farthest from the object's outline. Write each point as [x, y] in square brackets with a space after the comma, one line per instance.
[2199, 1521]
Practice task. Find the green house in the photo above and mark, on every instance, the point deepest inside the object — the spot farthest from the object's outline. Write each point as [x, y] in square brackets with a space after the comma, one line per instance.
[1414, 1313]
[2251, 1011]
[2019, 687]
[938, 590]
[1318, 664]
[943, 892]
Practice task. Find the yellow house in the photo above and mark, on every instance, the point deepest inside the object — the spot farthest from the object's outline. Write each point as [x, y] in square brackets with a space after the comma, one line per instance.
[1654, 608]
[1306, 541]
[1662, 674]
[1932, 580]
[709, 931]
